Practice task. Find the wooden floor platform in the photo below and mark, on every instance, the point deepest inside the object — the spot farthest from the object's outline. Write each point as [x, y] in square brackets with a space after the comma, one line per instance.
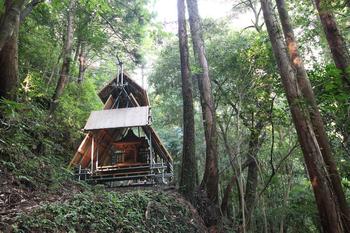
[136, 173]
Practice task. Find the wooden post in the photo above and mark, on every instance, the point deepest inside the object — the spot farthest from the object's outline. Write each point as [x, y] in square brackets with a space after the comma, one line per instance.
[92, 153]
[150, 151]
[122, 73]
[79, 172]
[96, 158]
[163, 180]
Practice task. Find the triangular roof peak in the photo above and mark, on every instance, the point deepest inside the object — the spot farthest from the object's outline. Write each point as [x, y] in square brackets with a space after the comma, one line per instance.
[113, 88]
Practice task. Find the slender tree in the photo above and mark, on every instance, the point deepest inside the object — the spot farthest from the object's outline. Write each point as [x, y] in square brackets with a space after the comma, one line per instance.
[189, 167]
[254, 146]
[66, 54]
[335, 40]
[315, 116]
[328, 210]
[252, 177]
[82, 61]
[210, 180]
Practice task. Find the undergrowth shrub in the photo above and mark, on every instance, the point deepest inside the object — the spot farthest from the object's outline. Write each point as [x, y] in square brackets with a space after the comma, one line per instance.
[36, 148]
[33, 147]
[101, 211]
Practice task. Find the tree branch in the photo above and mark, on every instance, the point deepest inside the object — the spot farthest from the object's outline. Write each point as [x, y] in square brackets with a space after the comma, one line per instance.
[277, 168]
[29, 8]
[233, 106]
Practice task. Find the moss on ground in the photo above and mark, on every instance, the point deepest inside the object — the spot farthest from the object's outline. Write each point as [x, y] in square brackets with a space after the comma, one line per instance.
[102, 211]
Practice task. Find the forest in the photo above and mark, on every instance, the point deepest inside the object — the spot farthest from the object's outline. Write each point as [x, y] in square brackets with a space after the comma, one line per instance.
[250, 100]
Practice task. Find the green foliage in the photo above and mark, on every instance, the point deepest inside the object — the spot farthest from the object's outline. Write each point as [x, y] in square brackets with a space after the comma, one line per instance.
[77, 103]
[2, 7]
[244, 74]
[329, 85]
[301, 213]
[32, 150]
[101, 211]
[35, 148]
[110, 27]
[333, 99]
[165, 80]
[41, 39]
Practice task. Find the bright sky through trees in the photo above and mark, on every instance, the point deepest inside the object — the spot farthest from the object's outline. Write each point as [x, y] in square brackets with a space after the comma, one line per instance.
[166, 14]
[217, 9]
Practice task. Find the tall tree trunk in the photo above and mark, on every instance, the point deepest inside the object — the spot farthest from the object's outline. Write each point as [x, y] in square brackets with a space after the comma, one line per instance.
[210, 182]
[77, 50]
[315, 116]
[210, 179]
[229, 187]
[328, 211]
[67, 52]
[335, 40]
[9, 20]
[252, 178]
[82, 65]
[189, 166]
[9, 49]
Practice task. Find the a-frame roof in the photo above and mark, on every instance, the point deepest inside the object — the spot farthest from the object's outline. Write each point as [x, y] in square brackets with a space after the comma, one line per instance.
[133, 88]
[105, 136]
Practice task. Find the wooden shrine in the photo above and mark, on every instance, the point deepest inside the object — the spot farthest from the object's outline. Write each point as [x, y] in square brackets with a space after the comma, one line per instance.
[120, 146]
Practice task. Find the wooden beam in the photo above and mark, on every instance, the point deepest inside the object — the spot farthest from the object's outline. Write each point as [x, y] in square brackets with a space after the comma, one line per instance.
[81, 151]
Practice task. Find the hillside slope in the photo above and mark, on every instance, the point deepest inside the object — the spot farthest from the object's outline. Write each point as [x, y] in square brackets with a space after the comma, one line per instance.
[38, 193]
